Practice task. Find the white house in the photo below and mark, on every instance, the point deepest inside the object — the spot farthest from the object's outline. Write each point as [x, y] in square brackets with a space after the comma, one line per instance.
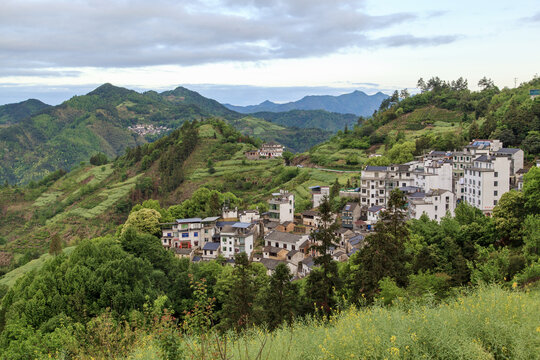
[211, 250]
[378, 181]
[249, 216]
[281, 206]
[237, 238]
[485, 181]
[189, 233]
[318, 193]
[435, 204]
[285, 240]
[373, 213]
[271, 150]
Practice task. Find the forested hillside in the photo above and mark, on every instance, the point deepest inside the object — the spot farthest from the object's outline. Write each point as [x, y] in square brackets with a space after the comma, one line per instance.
[444, 116]
[13, 113]
[319, 119]
[38, 139]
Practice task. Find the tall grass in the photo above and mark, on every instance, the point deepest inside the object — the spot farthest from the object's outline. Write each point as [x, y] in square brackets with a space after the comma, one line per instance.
[490, 323]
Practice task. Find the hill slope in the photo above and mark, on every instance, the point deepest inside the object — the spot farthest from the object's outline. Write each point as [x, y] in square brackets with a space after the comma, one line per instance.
[319, 119]
[357, 102]
[13, 113]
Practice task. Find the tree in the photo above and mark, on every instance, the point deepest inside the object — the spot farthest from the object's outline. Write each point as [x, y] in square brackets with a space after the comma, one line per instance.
[509, 214]
[334, 190]
[321, 284]
[384, 254]
[279, 300]
[288, 156]
[486, 84]
[421, 84]
[144, 220]
[531, 143]
[99, 159]
[239, 294]
[531, 190]
[404, 94]
[55, 247]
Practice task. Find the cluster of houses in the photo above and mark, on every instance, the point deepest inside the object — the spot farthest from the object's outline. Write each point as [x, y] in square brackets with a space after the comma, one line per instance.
[433, 184]
[268, 150]
[148, 129]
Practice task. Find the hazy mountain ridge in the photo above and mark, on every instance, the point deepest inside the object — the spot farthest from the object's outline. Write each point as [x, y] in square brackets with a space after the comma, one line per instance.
[357, 102]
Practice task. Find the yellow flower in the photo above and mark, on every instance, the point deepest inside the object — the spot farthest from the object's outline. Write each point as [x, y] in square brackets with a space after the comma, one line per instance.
[514, 285]
[393, 338]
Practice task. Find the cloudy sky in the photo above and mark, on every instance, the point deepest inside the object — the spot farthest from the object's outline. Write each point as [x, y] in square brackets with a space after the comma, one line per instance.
[246, 51]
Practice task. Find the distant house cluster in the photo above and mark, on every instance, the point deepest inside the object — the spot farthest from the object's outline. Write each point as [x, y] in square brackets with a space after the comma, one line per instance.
[148, 129]
[266, 151]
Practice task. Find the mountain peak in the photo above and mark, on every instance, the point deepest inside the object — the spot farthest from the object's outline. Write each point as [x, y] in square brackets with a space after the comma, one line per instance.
[108, 89]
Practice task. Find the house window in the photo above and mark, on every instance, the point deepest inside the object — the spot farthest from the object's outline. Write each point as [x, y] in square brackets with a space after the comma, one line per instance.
[436, 207]
[293, 247]
[195, 234]
[495, 183]
[494, 202]
[496, 174]
[185, 235]
[206, 231]
[495, 193]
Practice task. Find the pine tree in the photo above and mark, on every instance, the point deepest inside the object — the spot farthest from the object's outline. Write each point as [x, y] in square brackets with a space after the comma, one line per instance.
[334, 190]
[279, 301]
[322, 283]
[55, 247]
[384, 255]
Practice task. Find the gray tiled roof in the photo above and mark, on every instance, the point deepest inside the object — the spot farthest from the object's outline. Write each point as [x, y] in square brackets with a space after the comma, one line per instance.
[283, 237]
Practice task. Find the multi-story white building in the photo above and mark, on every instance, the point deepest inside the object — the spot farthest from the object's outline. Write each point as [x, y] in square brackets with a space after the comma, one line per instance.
[378, 181]
[434, 203]
[249, 216]
[237, 238]
[485, 181]
[515, 156]
[281, 206]
[318, 193]
[189, 233]
[437, 175]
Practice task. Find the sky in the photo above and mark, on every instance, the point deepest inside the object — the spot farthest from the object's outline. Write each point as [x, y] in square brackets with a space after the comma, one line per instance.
[246, 51]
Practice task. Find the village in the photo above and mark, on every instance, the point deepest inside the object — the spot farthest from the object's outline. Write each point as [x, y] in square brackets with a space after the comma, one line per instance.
[433, 184]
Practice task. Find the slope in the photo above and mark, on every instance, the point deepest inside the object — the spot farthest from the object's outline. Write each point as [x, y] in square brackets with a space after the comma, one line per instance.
[319, 119]
[91, 200]
[13, 113]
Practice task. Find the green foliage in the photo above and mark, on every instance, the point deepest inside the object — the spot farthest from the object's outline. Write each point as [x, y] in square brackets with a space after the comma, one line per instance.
[509, 215]
[99, 159]
[55, 247]
[144, 220]
[531, 190]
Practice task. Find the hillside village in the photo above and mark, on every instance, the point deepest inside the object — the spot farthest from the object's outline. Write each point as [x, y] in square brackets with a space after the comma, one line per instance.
[434, 184]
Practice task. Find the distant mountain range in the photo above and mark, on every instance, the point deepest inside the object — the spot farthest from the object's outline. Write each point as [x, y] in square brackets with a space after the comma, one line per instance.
[357, 103]
[13, 113]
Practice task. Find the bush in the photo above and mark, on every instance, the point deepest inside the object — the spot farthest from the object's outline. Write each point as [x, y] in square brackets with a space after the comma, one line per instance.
[99, 159]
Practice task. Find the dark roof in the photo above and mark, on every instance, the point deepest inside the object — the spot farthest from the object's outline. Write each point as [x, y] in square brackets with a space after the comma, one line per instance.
[283, 237]
[308, 261]
[272, 224]
[418, 194]
[183, 251]
[213, 246]
[196, 259]
[522, 171]
[292, 253]
[507, 151]
[271, 264]
[241, 225]
[287, 223]
[210, 219]
[339, 253]
[376, 168]
[356, 239]
[483, 158]
[310, 213]
[224, 223]
[352, 252]
[375, 208]
[350, 206]
[273, 249]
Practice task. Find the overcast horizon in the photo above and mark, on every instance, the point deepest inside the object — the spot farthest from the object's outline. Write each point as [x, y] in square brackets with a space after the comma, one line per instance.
[243, 52]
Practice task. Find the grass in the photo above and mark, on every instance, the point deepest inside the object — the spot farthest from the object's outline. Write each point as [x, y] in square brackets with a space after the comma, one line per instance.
[489, 323]
[11, 277]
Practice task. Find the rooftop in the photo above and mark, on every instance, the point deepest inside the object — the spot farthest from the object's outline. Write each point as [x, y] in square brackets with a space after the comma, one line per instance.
[187, 221]
[212, 246]
[350, 206]
[283, 237]
[375, 208]
[507, 151]
[376, 168]
[271, 264]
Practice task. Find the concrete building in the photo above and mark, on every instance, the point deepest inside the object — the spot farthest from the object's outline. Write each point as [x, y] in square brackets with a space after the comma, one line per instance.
[318, 193]
[485, 181]
[271, 150]
[373, 213]
[281, 206]
[434, 203]
[189, 233]
[437, 175]
[249, 216]
[350, 214]
[211, 250]
[378, 181]
[284, 240]
[237, 238]
[516, 158]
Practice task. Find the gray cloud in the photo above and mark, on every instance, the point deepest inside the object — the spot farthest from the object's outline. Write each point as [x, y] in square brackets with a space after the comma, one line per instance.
[119, 33]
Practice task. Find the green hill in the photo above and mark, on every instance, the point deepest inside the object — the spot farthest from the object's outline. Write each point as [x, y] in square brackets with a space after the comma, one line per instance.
[445, 116]
[13, 113]
[92, 200]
